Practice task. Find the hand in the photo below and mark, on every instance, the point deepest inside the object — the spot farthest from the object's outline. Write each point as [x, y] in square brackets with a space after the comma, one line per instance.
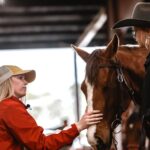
[88, 119]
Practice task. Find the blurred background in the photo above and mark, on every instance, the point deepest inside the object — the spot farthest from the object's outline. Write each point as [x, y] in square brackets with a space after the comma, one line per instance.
[37, 34]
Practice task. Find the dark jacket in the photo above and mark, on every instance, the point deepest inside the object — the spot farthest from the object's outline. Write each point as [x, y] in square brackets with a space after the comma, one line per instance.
[146, 98]
[146, 86]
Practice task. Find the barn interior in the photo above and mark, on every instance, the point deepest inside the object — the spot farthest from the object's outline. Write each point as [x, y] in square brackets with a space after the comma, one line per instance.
[56, 23]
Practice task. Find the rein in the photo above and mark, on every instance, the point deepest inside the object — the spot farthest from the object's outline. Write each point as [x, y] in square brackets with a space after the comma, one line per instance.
[122, 81]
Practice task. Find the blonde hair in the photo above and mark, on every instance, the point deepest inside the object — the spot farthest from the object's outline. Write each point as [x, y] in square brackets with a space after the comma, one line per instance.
[6, 90]
[141, 36]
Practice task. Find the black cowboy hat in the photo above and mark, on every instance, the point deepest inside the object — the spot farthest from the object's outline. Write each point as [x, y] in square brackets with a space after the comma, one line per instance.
[140, 17]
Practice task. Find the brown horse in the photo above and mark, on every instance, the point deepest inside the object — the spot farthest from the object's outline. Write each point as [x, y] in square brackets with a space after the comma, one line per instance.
[113, 77]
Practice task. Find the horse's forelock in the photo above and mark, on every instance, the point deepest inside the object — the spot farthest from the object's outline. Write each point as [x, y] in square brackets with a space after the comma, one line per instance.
[92, 67]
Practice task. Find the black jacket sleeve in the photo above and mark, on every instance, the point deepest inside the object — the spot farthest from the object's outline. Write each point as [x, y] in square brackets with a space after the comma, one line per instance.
[146, 86]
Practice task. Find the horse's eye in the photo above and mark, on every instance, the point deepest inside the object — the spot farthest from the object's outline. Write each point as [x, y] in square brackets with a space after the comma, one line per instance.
[115, 123]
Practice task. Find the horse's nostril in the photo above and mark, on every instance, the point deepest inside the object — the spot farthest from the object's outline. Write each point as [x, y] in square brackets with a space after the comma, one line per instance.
[100, 144]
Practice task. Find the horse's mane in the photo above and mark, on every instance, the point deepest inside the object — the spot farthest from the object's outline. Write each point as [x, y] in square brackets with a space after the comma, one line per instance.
[92, 66]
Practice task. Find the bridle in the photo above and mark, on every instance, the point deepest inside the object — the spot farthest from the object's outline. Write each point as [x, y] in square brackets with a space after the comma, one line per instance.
[114, 64]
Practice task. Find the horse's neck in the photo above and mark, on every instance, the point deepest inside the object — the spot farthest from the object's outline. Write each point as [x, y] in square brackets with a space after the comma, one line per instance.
[133, 59]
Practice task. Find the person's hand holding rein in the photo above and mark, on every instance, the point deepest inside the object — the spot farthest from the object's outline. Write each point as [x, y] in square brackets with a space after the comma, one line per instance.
[88, 119]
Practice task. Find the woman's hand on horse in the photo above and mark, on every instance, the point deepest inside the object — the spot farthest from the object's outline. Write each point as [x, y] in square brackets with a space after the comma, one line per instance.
[88, 119]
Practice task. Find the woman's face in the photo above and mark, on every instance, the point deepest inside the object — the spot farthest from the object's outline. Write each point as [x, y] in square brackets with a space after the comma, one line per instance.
[19, 85]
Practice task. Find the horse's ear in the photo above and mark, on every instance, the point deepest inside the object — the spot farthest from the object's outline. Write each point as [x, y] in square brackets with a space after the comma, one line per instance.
[112, 47]
[82, 53]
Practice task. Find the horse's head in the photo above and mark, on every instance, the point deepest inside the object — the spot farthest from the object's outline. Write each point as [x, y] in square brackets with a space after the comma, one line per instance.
[133, 138]
[104, 91]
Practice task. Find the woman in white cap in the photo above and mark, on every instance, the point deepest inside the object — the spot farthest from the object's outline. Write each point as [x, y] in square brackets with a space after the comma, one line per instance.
[140, 22]
[18, 129]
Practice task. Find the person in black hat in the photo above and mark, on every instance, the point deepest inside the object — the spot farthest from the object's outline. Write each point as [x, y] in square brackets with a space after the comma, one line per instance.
[140, 21]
